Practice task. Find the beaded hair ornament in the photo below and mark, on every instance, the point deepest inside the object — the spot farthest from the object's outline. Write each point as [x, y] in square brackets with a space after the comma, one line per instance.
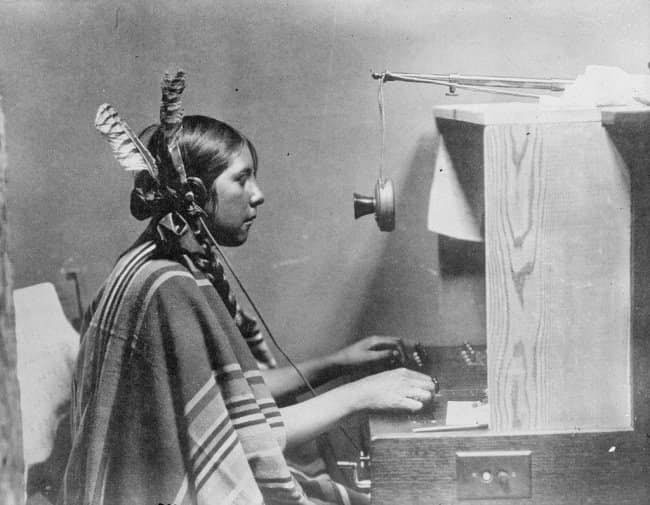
[164, 192]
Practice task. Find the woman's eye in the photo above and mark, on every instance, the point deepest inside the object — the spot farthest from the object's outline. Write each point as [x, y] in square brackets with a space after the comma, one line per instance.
[244, 177]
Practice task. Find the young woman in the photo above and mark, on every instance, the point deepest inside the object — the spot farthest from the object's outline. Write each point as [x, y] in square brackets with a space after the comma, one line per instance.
[169, 403]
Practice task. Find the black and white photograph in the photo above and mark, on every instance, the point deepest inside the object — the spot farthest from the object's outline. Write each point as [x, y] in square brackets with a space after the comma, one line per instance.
[324, 252]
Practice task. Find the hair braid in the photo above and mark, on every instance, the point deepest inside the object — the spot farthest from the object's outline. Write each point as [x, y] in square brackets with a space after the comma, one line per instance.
[210, 264]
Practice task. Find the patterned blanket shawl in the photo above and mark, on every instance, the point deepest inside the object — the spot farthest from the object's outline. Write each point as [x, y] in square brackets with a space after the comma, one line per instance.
[168, 403]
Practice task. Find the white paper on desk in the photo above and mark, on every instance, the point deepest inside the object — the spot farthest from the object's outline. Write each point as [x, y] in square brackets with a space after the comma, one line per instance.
[466, 413]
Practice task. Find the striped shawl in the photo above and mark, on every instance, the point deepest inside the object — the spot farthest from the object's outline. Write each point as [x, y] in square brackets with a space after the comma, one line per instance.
[168, 403]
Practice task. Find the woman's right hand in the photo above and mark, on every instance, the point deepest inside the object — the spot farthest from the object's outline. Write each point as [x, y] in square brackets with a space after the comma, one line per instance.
[399, 389]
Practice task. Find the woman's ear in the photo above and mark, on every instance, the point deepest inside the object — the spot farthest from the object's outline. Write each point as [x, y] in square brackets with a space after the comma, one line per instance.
[198, 188]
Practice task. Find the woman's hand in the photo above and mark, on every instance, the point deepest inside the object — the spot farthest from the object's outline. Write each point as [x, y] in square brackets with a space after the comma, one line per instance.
[399, 389]
[367, 351]
[358, 357]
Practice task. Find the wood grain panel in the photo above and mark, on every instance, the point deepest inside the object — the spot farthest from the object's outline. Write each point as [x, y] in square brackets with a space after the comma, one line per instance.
[557, 278]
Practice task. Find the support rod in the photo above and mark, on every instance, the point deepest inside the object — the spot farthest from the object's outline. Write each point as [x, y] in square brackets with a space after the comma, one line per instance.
[476, 80]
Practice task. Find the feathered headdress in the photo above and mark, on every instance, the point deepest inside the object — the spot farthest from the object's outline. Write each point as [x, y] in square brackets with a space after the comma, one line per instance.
[161, 182]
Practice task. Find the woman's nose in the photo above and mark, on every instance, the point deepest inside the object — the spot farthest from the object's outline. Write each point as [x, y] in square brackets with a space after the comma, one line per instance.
[257, 197]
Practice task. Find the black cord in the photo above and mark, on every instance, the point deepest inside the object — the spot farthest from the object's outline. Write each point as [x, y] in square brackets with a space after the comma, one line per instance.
[266, 326]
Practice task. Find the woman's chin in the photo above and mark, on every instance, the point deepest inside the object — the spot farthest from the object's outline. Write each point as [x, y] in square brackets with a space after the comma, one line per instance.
[231, 239]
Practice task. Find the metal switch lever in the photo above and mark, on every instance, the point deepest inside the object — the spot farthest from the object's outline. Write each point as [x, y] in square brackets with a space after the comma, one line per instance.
[364, 484]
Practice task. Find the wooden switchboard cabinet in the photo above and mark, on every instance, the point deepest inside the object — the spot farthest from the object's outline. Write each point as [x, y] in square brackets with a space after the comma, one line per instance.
[564, 197]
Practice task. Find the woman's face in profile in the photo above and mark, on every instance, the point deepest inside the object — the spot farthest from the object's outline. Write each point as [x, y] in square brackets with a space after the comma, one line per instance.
[233, 200]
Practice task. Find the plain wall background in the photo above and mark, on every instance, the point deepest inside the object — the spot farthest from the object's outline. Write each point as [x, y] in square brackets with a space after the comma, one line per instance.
[295, 77]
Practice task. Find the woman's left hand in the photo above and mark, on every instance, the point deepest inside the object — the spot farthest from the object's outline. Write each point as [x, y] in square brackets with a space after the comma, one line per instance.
[369, 350]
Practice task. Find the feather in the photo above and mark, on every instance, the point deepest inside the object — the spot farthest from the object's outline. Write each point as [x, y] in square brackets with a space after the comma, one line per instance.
[171, 110]
[171, 119]
[127, 148]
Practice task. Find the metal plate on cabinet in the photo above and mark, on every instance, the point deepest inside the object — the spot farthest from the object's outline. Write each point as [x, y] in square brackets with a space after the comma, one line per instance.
[493, 474]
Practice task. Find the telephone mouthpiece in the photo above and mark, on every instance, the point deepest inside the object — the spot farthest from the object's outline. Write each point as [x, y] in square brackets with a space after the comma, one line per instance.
[382, 204]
